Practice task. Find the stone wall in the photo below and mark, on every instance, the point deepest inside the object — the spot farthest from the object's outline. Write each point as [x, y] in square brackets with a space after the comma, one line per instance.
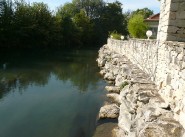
[170, 77]
[141, 52]
[164, 62]
[172, 20]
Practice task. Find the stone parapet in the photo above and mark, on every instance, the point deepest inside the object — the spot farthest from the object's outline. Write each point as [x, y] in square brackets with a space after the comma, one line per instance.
[141, 52]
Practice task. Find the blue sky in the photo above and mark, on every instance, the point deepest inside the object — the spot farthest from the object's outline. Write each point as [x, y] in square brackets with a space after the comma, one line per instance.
[127, 4]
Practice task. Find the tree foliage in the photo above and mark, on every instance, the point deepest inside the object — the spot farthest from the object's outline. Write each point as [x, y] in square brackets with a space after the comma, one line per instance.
[81, 23]
[137, 27]
[6, 20]
[92, 8]
[68, 9]
[112, 19]
[145, 12]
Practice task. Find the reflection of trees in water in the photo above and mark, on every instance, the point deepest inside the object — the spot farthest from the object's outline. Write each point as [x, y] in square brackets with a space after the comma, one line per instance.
[80, 74]
[21, 79]
[78, 67]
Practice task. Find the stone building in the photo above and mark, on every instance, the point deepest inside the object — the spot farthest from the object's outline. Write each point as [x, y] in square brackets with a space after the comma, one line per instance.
[172, 21]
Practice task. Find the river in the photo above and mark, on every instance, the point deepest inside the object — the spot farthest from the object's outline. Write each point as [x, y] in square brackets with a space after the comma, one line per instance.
[50, 94]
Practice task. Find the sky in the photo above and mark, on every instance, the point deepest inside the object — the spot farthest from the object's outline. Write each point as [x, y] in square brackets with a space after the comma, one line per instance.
[127, 4]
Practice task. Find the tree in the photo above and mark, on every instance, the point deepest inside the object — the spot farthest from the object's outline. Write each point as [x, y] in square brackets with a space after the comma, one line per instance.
[92, 8]
[33, 23]
[6, 21]
[69, 9]
[23, 22]
[43, 22]
[79, 23]
[137, 27]
[112, 19]
[85, 27]
[145, 12]
[68, 31]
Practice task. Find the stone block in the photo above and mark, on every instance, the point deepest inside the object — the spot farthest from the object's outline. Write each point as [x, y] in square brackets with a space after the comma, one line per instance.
[124, 118]
[168, 79]
[174, 7]
[181, 23]
[183, 66]
[113, 89]
[180, 57]
[165, 28]
[178, 95]
[181, 36]
[109, 111]
[170, 38]
[181, 6]
[182, 73]
[167, 93]
[172, 15]
[172, 29]
[177, 48]
[182, 119]
[181, 31]
[174, 84]
[174, 1]
[181, 39]
[183, 101]
[182, 85]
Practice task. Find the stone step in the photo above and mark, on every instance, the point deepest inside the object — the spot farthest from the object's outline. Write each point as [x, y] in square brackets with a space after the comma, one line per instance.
[114, 89]
[109, 111]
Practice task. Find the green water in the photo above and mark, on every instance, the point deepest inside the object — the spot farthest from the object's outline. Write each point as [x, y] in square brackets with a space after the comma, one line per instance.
[52, 94]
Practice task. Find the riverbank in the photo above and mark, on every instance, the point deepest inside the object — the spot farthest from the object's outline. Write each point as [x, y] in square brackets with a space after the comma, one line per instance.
[140, 110]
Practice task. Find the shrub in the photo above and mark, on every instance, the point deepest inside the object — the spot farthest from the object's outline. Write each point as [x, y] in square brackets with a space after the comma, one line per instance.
[125, 83]
[115, 35]
[137, 27]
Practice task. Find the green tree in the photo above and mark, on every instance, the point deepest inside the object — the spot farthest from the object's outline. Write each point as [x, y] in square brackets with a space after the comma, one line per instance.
[85, 27]
[43, 22]
[112, 19]
[6, 21]
[68, 9]
[92, 8]
[68, 31]
[137, 27]
[33, 23]
[79, 23]
[24, 22]
[145, 12]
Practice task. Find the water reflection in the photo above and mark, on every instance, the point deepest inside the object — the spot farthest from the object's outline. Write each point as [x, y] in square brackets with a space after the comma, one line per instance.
[57, 94]
[79, 67]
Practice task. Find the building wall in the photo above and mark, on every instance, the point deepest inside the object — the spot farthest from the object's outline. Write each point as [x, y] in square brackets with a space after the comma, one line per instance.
[172, 20]
[153, 26]
[164, 62]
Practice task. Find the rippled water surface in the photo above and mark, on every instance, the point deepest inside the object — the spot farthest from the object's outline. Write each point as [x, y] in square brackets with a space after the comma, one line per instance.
[50, 94]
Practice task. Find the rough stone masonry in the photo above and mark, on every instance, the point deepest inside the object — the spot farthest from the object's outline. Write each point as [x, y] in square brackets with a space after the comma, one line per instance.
[146, 110]
[141, 111]
[172, 21]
